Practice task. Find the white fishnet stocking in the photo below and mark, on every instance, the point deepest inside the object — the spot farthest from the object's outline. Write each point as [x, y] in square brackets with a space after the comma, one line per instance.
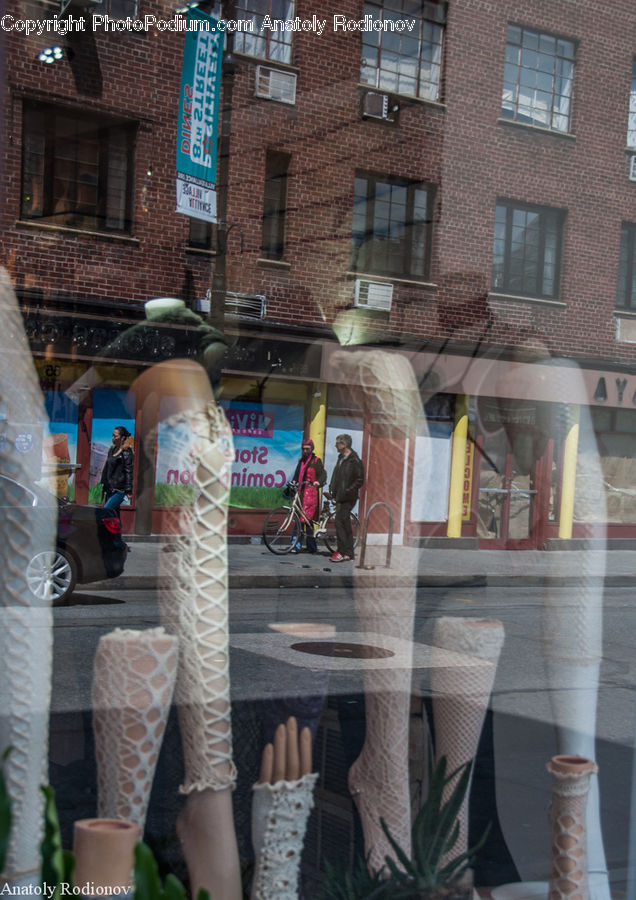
[568, 870]
[197, 606]
[133, 681]
[25, 624]
[379, 778]
[279, 820]
[461, 696]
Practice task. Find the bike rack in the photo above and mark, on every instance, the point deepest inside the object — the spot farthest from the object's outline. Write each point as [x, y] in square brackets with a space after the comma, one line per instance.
[365, 529]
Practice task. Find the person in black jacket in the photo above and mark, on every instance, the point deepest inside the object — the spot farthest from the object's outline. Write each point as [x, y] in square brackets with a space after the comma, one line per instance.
[117, 474]
[345, 484]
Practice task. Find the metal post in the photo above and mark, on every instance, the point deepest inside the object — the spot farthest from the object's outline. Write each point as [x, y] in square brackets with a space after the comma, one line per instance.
[365, 529]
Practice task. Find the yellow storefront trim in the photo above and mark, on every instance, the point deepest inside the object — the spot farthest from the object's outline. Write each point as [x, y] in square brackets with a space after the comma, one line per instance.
[318, 419]
[458, 460]
[568, 478]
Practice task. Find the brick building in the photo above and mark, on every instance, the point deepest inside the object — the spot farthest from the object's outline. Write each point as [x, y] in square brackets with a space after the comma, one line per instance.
[459, 191]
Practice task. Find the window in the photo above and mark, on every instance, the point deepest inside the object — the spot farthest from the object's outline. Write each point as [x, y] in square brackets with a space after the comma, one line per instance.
[117, 9]
[626, 292]
[77, 169]
[201, 234]
[264, 42]
[527, 250]
[405, 62]
[274, 208]
[538, 78]
[631, 122]
[392, 224]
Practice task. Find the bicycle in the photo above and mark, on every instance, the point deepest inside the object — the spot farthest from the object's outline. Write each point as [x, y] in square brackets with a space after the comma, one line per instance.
[283, 526]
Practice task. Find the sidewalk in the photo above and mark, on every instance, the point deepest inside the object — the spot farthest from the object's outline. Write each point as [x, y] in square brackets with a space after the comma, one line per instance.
[253, 566]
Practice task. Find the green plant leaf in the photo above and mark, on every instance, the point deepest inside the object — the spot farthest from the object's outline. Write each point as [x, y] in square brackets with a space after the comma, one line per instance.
[147, 883]
[54, 862]
[359, 883]
[401, 855]
[445, 836]
[174, 890]
[5, 811]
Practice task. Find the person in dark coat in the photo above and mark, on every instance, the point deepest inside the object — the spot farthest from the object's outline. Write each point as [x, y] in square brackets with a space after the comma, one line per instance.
[346, 480]
[117, 474]
[310, 476]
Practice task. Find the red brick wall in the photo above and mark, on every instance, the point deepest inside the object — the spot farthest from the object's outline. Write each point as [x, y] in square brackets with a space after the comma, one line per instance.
[460, 146]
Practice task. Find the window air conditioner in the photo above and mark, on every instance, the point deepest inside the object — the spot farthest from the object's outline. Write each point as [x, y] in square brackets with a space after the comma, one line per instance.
[272, 84]
[373, 294]
[77, 4]
[378, 106]
[632, 168]
[246, 306]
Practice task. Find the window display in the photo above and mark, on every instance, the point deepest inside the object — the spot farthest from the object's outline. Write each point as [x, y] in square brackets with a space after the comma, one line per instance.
[260, 241]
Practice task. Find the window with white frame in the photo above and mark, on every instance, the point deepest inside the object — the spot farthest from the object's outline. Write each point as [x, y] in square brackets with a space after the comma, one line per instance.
[77, 168]
[392, 223]
[406, 61]
[626, 289]
[527, 250]
[538, 78]
[631, 121]
[264, 40]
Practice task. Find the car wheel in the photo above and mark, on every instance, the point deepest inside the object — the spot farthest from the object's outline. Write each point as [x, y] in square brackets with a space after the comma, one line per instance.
[52, 575]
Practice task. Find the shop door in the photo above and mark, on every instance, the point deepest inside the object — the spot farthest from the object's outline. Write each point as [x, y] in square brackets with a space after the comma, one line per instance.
[508, 498]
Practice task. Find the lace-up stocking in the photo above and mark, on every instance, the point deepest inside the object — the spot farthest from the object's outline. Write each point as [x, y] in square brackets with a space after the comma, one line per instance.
[279, 821]
[461, 695]
[379, 778]
[25, 623]
[133, 680]
[570, 785]
[196, 609]
[197, 605]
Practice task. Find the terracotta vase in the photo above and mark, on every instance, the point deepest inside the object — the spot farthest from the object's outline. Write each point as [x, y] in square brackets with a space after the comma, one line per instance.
[570, 785]
[104, 854]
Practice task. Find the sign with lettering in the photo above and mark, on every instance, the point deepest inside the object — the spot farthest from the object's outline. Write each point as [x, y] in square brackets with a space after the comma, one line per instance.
[197, 127]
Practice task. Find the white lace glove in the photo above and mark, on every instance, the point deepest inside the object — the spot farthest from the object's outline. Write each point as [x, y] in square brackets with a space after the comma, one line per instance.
[279, 819]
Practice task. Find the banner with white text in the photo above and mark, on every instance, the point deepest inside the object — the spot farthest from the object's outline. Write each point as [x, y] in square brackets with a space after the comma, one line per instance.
[197, 129]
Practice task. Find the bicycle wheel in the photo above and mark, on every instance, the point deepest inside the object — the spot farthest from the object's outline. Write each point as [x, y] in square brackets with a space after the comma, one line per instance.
[330, 538]
[280, 530]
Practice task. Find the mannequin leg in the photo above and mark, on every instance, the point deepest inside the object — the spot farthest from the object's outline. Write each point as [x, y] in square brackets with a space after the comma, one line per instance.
[133, 682]
[461, 695]
[25, 623]
[197, 607]
[379, 778]
[572, 645]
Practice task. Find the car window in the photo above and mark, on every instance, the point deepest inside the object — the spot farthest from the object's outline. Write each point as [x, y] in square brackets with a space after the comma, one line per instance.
[14, 494]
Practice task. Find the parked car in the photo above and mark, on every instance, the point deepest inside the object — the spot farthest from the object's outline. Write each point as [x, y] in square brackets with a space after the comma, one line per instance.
[88, 544]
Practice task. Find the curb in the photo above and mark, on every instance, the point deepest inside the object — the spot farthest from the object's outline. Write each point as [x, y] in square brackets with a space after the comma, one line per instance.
[346, 581]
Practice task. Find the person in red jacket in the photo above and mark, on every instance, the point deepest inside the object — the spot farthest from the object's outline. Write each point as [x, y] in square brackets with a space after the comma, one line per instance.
[310, 476]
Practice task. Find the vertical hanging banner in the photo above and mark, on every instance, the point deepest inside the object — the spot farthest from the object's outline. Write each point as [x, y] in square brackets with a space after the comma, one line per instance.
[199, 116]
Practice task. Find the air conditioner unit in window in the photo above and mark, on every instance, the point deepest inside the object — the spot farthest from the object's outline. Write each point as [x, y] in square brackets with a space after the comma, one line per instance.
[373, 294]
[272, 84]
[378, 106]
[246, 306]
[632, 168]
[78, 4]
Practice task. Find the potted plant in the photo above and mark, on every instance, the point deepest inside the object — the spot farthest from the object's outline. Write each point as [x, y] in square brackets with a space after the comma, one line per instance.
[432, 873]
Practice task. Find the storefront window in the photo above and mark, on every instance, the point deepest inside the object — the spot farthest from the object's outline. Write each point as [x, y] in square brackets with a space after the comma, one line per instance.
[317, 430]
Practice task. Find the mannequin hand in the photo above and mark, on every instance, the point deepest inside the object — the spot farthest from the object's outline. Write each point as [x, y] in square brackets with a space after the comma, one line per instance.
[289, 757]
